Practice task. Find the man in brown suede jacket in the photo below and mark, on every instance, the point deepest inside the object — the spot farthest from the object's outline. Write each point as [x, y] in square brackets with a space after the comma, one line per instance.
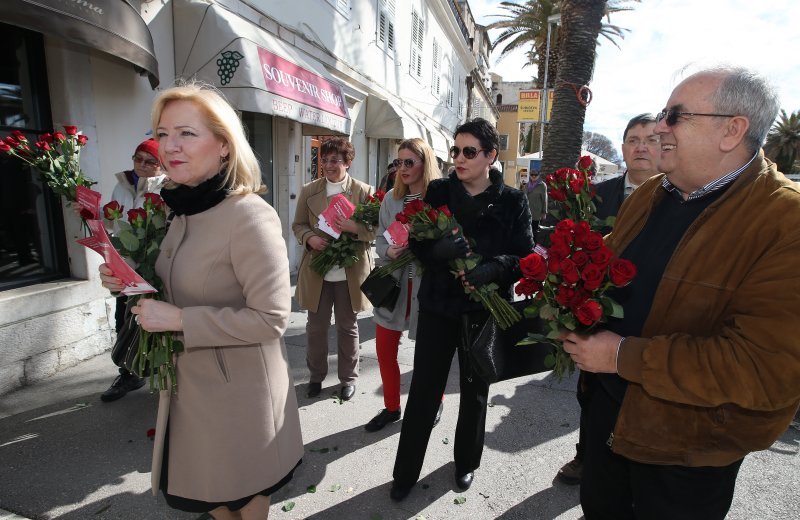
[705, 366]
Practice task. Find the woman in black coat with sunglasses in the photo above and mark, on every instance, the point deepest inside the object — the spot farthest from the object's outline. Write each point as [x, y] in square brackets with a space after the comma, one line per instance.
[497, 220]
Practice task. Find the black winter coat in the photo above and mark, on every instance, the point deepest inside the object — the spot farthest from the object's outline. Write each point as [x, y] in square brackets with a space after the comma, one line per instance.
[497, 220]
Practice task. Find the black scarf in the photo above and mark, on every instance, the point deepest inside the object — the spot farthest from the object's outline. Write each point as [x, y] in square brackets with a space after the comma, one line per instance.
[188, 200]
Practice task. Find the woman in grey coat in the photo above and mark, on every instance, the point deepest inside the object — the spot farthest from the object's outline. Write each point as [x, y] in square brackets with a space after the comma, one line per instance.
[416, 167]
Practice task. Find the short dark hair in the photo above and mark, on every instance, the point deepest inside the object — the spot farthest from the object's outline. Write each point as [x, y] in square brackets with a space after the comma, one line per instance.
[339, 146]
[483, 131]
[641, 119]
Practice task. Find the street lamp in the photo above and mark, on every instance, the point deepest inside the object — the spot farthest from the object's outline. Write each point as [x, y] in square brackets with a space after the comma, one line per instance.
[552, 19]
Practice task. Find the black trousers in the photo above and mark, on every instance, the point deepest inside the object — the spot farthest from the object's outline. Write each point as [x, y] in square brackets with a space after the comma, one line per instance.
[616, 488]
[438, 337]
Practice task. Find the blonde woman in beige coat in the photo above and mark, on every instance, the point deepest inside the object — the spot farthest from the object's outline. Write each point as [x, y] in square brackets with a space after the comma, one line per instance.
[340, 288]
[230, 436]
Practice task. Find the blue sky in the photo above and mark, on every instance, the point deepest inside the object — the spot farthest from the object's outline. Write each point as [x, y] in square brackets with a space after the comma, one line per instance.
[665, 36]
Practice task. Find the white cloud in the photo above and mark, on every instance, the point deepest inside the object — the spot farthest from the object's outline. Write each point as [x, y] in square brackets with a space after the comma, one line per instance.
[666, 35]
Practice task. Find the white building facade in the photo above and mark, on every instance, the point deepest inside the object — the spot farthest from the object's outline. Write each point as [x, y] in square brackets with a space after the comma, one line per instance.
[374, 71]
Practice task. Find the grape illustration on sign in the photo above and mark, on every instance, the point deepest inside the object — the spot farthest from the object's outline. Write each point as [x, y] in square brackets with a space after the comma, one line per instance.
[228, 64]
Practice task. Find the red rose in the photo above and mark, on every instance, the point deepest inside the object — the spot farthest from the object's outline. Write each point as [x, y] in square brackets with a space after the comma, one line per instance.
[576, 185]
[594, 241]
[432, 214]
[47, 138]
[42, 145]
[71, 130]
[82, 140]
[562, 174]
[601, 257]
[137, 217]
[565, 295]
[559, 250]
[444, 209]
[592, 277]
[58, 136]
[589, 312]
[4, 147]
[527, 287]
[379, 195]
[621, 272]
[414, 206]
[152, 200]
[19, 136]
[585, 163]
[112, 210]
[550, 178]
[580, 258]
[565, 226]
[402, 218]
[534, 267]
[151, 433]
[11, 140]
[569, 271]
[556, 194]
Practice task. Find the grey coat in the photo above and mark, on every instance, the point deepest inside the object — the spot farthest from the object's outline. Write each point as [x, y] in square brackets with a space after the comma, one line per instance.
[395, 319]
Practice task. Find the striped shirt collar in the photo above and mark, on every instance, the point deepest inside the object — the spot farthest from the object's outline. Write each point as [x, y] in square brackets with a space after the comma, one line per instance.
[712, 186]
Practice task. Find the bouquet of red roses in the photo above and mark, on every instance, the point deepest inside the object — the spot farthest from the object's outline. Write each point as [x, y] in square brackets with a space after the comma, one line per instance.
[428, 223]
[574, 193]
[139, 240]
[567, 286]
[343, 251]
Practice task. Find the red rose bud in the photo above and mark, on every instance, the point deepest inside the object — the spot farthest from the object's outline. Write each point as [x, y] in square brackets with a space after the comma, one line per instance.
[379, 195]
[585, 163]
[558, 195]
[112, 210]
[553, 264]
[432, 214]
[19, 136]
[414, 206]
[59, 136]
[527, 287]
[444, 209]
[580, 258]
[589, 312]
[576, 185]
[11, 140]
[533, 267]
[47, 138]
[152, 200]
[4, 147]
[402, 218]
[569, 271]
[582, 228]
[621, 272]
[592, 277]
[71, 130]
[42, 145]
[565, 226]
[594, 241]
[82, 140]
[565, 295]
[137, 217]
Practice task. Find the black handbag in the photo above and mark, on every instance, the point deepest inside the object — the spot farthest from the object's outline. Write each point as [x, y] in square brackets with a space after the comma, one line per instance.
[493, 354]
[126, 347]
[381, 291]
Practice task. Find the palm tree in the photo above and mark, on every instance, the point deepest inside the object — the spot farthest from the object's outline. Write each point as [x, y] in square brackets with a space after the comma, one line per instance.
[526, 25]
[783, 141]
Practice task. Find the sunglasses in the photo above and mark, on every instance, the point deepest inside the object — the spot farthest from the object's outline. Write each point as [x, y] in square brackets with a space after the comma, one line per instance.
[150, 163]
[671, 116]
[469, 151]
[408, 163]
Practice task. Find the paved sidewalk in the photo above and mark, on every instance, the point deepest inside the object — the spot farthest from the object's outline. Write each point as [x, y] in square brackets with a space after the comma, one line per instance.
[65, 454]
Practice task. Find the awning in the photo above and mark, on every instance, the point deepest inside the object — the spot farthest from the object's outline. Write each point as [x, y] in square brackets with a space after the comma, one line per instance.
[110, 26]
[256, 71]
[387, 120]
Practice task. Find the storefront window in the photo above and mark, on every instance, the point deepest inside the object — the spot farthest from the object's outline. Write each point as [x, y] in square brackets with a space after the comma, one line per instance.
[32, 242]
[259, 134]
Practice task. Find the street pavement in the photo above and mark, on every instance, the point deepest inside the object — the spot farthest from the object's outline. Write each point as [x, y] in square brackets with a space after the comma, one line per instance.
[65, 454]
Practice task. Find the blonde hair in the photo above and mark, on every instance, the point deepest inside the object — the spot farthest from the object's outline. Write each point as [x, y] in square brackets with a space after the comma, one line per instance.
[430, 168]
[242, 171]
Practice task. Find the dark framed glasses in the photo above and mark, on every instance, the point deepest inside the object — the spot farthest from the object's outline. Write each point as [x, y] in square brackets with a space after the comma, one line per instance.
[469, 151]
[408, 163]
[670, 116]
[150, 163]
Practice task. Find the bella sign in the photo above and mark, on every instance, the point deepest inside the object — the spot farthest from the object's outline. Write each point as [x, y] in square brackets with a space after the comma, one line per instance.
[286, 79]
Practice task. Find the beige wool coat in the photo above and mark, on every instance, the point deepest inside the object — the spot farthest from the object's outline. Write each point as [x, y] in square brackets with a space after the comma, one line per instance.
[234, 428]
[312, 201]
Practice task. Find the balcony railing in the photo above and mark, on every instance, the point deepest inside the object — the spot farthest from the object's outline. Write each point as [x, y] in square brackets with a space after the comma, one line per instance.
[460, 22]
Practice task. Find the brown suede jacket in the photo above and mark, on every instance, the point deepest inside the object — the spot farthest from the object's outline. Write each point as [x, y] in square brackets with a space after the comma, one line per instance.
[716, 374]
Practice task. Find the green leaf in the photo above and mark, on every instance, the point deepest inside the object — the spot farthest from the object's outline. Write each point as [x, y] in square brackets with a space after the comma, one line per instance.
[547, 312]
[550, 361]
[311, 489]
[459, 500]
[288, 506]
[129, 240]
[617, 311]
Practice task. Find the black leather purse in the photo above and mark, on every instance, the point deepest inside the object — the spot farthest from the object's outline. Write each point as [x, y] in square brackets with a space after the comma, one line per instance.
[493, 354]
[381, 291]
[126, 347]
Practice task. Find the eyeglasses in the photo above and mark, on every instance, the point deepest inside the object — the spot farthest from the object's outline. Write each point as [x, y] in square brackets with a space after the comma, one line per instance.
[469, 151]
[671, 116]
[323, 162]
[150, 163]
[408, 163]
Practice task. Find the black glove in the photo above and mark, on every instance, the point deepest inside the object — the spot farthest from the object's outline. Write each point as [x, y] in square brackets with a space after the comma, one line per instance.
[485, 273]
[449, 247]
